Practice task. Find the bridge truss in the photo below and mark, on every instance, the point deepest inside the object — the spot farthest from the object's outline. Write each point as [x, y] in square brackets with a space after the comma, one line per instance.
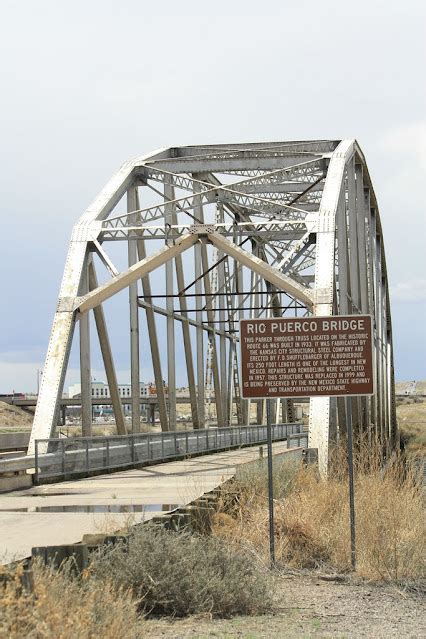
[215, 234]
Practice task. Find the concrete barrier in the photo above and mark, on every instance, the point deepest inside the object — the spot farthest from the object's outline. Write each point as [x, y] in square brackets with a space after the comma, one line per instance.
[14, 441]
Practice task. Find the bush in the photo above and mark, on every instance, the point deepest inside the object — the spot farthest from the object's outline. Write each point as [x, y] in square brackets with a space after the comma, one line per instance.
[64, 607]
[179, 574]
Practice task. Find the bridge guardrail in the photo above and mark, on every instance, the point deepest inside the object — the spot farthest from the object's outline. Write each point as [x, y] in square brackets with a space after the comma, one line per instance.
[63, 458]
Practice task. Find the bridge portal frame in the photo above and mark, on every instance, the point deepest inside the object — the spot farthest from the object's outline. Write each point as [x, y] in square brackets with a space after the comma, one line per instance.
[316, 195]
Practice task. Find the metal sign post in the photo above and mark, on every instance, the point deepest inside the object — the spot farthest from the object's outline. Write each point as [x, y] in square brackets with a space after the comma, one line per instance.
[348, 401]
[270, 484]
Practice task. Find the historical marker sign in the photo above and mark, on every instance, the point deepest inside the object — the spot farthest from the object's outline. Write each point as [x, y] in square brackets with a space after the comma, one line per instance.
[306, 357]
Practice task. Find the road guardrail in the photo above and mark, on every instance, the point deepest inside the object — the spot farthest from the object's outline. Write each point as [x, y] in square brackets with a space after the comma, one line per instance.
[62, 458]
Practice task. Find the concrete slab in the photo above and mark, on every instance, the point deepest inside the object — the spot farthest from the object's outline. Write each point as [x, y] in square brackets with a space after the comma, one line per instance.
[147, 491]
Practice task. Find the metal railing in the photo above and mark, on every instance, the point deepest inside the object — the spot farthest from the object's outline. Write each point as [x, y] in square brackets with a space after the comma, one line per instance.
[63, 458]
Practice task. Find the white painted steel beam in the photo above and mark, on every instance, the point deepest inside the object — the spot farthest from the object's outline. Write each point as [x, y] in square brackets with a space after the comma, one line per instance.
[218, 165]
[170, 218]
[133, 273]
[284, 187]
[272, 275]
[153, 342]
[108, 361]
[85, 366]
[132, 254]
[319, 412]
[198, 211]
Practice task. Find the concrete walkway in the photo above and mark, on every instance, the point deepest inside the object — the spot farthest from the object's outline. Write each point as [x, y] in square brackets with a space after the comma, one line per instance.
[62, 513]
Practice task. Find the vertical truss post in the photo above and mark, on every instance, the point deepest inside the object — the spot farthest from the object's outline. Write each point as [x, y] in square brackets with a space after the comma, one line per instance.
[239, 288]
[343, 287]
[373, 244]
[353, 282]
[169, 210]
[393, 435]
[389, 433]
[187, 344]
[85, 368]
[230, 394]
[253, 313]
[233, 384]
[362, 266]
[153, 342]
[353, 237]
[210, 320]
[361, 240]
[180, 281]
[134, 317]
[198, 212]
[107, 357]
[255, 287]
[239, 402]
[385, 388]
[222, 337]
[232, 373]
[372, 426]
[283, 410]
[379, 325]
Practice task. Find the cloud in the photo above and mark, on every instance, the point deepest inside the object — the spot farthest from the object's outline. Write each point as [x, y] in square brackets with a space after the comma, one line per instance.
[412, 291]
[21, 377]
[408, 139]
[17, 377]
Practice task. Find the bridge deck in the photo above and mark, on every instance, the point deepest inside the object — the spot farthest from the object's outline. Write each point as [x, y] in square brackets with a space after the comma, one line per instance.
[151, 490]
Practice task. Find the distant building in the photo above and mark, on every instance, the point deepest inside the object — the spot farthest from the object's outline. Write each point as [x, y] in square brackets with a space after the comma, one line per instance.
[101, 389]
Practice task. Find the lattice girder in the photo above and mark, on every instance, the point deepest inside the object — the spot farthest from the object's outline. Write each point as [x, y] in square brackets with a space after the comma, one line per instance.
[298, 232]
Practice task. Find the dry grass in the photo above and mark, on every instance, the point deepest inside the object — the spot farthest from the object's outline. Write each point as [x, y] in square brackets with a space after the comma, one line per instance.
[411, 414]
[153, 572]
[11, 415]
[312, 519]
[64, 607]
[107, 429]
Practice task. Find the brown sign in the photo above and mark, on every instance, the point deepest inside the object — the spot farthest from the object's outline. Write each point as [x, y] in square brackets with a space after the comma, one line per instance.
[306, 357]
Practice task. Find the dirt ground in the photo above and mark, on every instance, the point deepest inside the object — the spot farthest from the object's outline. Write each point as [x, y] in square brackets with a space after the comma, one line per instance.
[309, 606]
[402, 387]
[15, 416]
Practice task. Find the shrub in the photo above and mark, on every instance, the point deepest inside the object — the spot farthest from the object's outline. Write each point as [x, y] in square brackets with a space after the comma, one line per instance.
[64, 607]
[179, 574]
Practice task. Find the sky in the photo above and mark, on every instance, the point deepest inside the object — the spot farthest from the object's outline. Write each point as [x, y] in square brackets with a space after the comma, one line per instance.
[86, 85]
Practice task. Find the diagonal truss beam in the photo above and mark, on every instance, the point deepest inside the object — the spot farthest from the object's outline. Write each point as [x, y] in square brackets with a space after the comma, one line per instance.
[132, 274]
[270, 274]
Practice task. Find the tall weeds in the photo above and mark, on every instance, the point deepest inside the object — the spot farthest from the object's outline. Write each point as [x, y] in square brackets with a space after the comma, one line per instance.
[312, 517]
[62, 606]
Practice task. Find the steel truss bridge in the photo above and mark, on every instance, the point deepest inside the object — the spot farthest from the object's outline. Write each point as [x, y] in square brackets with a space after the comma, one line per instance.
[213, 234]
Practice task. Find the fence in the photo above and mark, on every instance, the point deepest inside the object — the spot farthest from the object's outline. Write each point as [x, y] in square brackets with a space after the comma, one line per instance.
[63, 458]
